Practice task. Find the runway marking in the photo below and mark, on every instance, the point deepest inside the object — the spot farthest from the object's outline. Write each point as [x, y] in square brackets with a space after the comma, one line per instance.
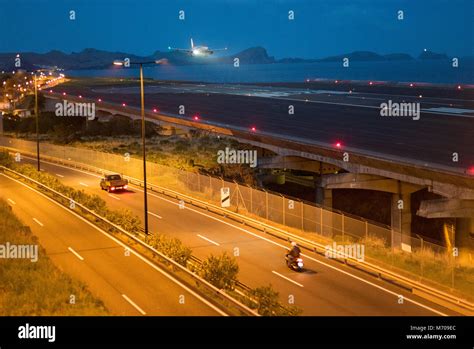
[11, 201]
[38, 222]
[83, 184]
[113, 196]
[61, 176]
[377, 99]
[246, 231]
[75, 253]
[145, 260]
[284, 277]
[209, 240]
[133, 304]
[154, 214]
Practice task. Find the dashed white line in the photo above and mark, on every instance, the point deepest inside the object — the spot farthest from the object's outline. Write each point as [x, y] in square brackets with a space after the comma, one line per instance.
[145, 260]
[113, 196]
[37, 221]
[209, 240]
[133, 304]
[11, 201]
[76, 254]
[59, 175]
[83, 184]
[154, 214]
[284, 277]
[255, 235]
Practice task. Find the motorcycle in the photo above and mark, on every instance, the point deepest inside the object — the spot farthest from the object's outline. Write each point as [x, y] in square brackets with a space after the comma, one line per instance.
[295, 264]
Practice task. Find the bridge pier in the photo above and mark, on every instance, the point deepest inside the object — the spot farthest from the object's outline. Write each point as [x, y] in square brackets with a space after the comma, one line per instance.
[401, 217]
[464, 239]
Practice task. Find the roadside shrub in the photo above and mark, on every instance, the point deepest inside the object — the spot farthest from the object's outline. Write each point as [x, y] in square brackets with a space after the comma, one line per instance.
[265, 300]
[170, 247]
[221, 271]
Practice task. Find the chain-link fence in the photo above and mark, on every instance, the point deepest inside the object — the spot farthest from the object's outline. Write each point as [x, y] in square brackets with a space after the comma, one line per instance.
[402, 253]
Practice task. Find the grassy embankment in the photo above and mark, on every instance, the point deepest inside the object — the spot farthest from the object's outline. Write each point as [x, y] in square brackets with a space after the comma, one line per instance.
[38, 288]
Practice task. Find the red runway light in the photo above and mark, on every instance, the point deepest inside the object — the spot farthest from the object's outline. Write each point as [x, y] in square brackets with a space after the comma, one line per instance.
[64, 93]
[411, 85]
[371, 83]
[155, 110]
[124, 105]
[99, 100]
[196, 117]
[253, 129]
[338, 145]
[459, 87]
[80, 96]
[471, 170]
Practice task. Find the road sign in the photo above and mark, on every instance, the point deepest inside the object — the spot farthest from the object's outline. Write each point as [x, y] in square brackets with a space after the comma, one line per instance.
[225, 197]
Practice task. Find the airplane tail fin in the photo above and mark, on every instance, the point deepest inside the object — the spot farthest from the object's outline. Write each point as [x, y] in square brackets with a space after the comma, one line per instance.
[192, 43]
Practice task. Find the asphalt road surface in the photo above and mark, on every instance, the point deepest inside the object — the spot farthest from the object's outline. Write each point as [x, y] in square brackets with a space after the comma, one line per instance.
[328, 114]
[326, 287]
[127, 284]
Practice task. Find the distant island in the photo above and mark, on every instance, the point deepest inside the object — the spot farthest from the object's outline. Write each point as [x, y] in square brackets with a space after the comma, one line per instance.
[97, 59]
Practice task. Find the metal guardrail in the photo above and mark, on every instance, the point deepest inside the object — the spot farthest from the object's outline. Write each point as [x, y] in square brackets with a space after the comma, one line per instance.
[282, 234]
[214, 290]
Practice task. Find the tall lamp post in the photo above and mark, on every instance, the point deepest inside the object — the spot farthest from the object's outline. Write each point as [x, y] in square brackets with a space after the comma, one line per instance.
[35, 81]
[37, 123]
[142, 99]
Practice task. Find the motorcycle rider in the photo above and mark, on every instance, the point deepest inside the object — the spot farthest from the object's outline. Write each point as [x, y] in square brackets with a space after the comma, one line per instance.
[294, 252]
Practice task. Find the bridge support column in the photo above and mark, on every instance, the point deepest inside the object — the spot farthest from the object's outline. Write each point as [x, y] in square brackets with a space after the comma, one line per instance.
[401, 219]
[464, 241]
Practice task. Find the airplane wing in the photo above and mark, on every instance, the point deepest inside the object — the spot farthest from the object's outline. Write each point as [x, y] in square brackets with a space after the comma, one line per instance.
[179, 49]
[219, 49]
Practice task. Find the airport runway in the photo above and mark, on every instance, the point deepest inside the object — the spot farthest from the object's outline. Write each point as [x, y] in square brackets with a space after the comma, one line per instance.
[325, 288]
[345, 113]
[127, 284]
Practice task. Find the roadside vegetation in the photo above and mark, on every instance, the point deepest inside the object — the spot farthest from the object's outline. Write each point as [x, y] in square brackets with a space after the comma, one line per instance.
[221, 271]
[38, 288]
[123, 218]
[195, 151]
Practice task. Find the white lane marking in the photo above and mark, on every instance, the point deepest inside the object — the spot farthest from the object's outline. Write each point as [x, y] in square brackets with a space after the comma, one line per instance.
[11, 201]
[209, 240]
[177, 282]
[61, 176]
[113, 196]
[311, 258]
[83, 184]
[75, 253]
[284, 277]
[250, 233]
[154, 214]
[133, 304]
[37, 221]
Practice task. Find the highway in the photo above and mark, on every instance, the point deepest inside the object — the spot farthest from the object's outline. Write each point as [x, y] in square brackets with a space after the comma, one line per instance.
[326, 287]
[127, 283]
[328, 114]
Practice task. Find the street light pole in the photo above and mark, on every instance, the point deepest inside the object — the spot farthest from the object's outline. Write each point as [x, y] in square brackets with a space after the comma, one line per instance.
[142, 100]
[145, 198]
[37, 124]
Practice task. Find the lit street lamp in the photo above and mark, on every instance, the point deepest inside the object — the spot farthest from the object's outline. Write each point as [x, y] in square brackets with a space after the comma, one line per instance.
[142, 98]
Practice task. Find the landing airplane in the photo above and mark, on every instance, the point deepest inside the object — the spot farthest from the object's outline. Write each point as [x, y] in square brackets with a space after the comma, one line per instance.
[198, 50]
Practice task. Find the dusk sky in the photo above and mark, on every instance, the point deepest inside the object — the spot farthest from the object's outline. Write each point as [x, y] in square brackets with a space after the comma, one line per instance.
[320, 28]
